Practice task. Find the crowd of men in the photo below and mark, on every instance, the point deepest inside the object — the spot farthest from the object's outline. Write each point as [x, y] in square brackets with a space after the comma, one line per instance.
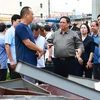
[64, 50]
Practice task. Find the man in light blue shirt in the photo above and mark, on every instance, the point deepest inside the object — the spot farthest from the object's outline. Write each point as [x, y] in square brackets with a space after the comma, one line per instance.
[3, 55]
[10, 46]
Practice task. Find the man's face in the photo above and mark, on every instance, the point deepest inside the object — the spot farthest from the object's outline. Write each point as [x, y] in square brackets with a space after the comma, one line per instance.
[94, 27]
[99, 21]
[42, 31]
[15, 23]
[36, 33]
[30, 16]
[63, 24]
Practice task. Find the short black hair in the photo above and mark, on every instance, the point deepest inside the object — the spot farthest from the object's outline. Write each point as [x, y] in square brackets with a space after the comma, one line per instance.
[15, 17]
[96, 22]
[98, 16]
[35, 27]
[2, 26]
[24, 11]
[47, 28]
[67, 19]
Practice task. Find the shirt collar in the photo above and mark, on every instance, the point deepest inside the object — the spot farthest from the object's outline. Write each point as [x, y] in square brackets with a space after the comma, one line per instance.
[65, 32]
[95, 35]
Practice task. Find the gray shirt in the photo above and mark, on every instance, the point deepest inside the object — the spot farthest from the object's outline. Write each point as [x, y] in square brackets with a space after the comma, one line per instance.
[65, 44]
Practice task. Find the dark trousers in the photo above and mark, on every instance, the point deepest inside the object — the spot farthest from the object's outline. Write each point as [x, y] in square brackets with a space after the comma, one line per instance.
[13, 74]
[3, 74]
[82, 70]
[96, 71]
[65, 66]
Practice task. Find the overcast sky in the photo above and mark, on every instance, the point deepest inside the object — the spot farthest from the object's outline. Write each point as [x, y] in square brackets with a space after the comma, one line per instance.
[80, 6]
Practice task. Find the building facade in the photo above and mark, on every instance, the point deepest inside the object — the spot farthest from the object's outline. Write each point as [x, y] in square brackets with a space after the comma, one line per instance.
[10, 7]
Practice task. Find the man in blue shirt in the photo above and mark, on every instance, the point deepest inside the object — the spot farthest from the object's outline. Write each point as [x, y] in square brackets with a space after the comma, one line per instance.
[96, 64]
[26, 49]
[3, 55]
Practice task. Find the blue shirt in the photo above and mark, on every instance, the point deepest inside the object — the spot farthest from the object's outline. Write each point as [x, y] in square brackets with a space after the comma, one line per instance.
[3, 55]
[96, 51]
[10, 39]
[23, 53]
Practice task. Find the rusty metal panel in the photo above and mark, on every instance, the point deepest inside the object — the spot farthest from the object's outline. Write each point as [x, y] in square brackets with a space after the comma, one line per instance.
[60, 92]
[23, 91]
[21, 84]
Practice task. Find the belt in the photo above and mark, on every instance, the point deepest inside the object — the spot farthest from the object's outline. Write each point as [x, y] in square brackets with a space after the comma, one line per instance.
[66, 58]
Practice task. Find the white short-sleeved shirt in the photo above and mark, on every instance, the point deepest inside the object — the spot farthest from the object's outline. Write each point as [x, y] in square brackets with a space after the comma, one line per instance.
[40, 41]
[47, 52]
[10, 39]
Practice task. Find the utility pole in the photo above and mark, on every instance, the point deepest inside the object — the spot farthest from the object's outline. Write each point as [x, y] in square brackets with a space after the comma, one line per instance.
[49, 8]
[95, 9]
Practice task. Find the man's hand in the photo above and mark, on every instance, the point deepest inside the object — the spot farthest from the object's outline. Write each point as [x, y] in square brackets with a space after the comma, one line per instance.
[80, 60]
[49, 45]
[49, 59]
[39, 54]
[13, 65]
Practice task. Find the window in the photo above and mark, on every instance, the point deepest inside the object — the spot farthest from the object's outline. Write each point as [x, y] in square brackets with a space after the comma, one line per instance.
[41, 5]
[41, 15]
[20, 3]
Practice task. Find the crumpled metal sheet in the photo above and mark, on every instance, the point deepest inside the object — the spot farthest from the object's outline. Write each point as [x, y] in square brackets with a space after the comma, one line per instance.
[60, 92]
[19, 91]
[21, 87]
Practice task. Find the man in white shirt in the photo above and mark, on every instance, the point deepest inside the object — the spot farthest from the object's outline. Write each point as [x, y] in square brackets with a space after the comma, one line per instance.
[40, 41]
[49, 55]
